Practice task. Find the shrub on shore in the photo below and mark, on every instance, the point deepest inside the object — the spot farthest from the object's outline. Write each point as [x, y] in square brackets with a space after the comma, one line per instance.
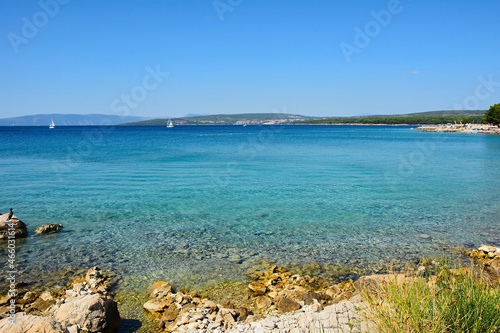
[492, 116]
[448, 300]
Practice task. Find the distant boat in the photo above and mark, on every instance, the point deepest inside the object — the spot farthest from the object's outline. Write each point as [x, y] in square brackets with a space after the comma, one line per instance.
[52, 124]
[169, 124]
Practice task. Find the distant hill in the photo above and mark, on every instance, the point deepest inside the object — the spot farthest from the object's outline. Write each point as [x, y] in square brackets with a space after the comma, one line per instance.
[446, 113]
[68, 120]
[228, 119]
[419, 118]
[195, 115]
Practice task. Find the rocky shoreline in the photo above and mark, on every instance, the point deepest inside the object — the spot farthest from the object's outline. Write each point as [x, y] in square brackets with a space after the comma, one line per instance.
[278, 301]
[461, 128]
[12, 229]
[82, 306]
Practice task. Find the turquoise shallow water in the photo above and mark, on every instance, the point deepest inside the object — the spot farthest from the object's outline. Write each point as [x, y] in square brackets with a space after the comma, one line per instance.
[203, 203]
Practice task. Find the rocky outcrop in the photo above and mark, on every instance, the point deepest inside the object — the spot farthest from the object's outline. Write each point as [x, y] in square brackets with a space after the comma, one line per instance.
[288, 300]
[461, 128]
[279, 289]
[83, 307]
[93, 313]
[185, 311]
[489, 258]
[25, 323]
[49, 228]
[287, 305]
[15, 227]
[485, 252]
[371, 284]
[342, 317]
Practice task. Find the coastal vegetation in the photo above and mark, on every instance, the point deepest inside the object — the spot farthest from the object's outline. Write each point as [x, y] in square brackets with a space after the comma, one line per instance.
[228, 119]
[446, 298]
[492, 116]
[396, 120]
[420, 118]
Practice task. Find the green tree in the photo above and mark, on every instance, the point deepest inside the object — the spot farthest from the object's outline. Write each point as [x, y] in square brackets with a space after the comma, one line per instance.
[466, 120]
[492, 116]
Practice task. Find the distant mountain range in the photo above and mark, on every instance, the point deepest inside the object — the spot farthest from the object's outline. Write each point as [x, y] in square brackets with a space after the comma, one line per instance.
[69, 120]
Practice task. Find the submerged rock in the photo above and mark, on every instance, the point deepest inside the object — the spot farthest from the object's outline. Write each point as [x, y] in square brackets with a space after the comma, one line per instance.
[49, 228]
[15, 227]
[257, 288]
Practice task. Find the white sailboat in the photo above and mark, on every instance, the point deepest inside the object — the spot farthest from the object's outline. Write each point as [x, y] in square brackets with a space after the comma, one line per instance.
[52, 123]
[169, 124]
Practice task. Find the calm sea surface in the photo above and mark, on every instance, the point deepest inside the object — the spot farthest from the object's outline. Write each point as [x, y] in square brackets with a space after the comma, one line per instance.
[194, 204]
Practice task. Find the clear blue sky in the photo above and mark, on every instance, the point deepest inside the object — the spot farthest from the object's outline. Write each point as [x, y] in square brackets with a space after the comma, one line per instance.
[248, 56]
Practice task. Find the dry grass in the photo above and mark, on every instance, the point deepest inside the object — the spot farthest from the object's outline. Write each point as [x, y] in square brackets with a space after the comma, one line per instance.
[444, 300]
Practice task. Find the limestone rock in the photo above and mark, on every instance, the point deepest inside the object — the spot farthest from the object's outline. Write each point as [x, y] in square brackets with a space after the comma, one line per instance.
[242, 313]
[19, 227]
[160, 289]
[487, 248]
[210, 306]
[316, 306]
[228, 318]
[344, 296]
[333, 291]
[49, 228]
[93, 313]
[309, 297]
[170, 313]
[4, 299]
[97, 281]
[30, 296]
[41, 304]
[26, 323]
[371, 283]
[257, 288]
[48, 295]
[495, 263]
[262, 302]
[287, 305]
[156, 305]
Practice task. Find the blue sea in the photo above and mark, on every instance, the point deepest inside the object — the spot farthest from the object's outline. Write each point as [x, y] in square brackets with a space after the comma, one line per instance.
[198, 204]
